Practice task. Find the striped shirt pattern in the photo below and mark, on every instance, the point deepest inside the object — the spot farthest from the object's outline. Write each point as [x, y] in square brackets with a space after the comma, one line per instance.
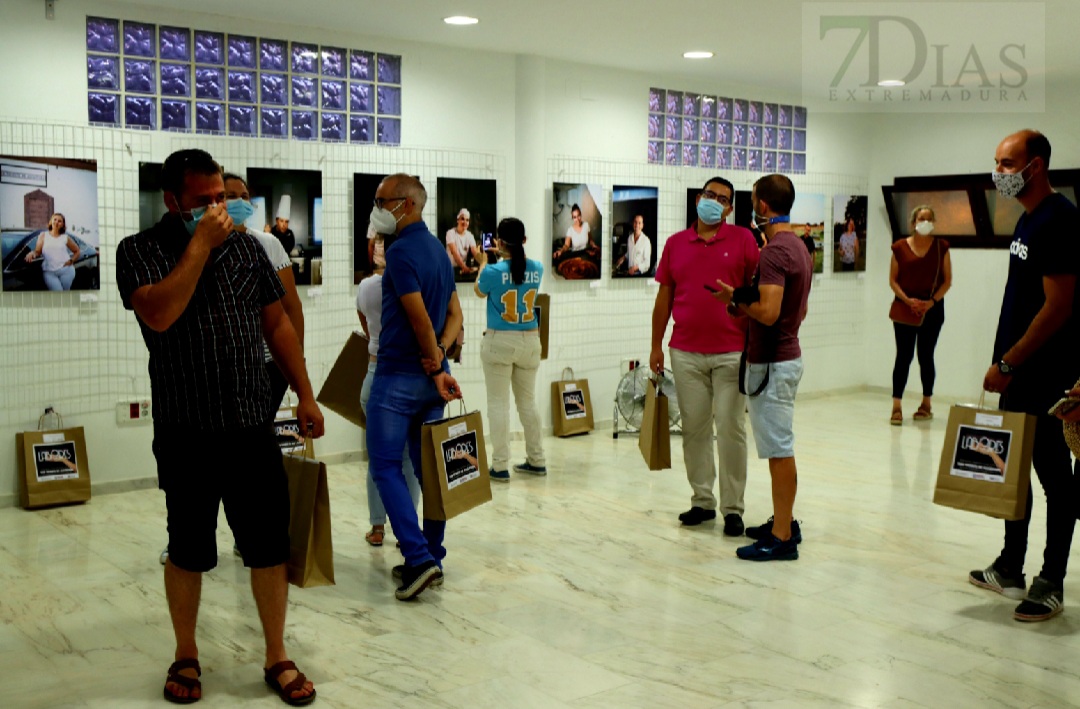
[206, 370]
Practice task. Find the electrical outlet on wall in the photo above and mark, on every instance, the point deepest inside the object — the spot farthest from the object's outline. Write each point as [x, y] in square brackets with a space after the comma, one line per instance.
[131, 412]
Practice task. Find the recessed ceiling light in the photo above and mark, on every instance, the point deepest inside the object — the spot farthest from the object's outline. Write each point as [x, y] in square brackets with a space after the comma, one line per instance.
[460, 20]
[697, 55]
[891, 82]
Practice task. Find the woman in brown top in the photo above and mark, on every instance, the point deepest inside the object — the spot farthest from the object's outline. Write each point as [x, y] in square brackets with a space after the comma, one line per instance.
[920, 275]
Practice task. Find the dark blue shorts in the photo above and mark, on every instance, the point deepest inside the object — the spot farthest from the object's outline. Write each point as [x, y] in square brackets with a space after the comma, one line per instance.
[198, 470]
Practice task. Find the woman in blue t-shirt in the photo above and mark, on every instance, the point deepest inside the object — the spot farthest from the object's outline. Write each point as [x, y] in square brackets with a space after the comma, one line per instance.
[511, 347]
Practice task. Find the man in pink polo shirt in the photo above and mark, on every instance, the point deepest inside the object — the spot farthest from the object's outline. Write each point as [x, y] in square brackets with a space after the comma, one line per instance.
[706, 344]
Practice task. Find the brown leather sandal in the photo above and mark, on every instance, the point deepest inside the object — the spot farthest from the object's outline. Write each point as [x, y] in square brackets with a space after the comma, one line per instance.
[897, 418]
[375, 536]
[190, 683]
[923, 413]
[271, 674]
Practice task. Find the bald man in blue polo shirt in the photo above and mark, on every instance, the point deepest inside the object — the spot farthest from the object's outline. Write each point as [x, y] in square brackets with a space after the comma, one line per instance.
[421, 317]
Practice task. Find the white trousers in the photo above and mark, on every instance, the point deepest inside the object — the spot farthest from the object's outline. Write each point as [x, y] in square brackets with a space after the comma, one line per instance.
[512, 359]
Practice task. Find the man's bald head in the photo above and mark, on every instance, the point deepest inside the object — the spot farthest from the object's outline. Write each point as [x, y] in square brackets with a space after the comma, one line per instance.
[406, 185]
[1028, 144]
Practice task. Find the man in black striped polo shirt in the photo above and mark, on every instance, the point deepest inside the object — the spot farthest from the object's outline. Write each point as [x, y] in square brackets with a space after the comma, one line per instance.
[205, 296]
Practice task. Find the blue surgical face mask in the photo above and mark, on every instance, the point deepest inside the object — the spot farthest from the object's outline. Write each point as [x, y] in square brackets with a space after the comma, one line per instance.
[710, 211]
[240, 210]
[196, 215]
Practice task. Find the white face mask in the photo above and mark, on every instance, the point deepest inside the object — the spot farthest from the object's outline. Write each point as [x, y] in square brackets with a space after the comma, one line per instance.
[1010, 184]
[924, 227]
[383, 220]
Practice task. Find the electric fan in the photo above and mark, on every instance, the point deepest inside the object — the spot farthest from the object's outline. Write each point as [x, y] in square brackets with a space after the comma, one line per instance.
[630, 399]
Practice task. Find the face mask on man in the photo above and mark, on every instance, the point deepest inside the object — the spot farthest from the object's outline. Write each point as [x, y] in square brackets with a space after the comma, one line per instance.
[383, 220]
[190, 224]
[1010, 184]
[924, 227]
[710, 211]
[240, 210]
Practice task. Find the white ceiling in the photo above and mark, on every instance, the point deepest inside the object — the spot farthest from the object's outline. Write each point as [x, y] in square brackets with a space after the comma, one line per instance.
[755, 41]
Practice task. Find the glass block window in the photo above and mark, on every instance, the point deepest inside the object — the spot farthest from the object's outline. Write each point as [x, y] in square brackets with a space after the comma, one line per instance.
[150, 77]
[697, 130]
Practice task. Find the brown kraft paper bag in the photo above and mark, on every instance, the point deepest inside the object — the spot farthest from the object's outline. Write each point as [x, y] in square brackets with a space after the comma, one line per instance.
[654, 438]
[341, 391]
[986, 461]
[571, 408]
[311, 548]
[53, 467]
[454, 465]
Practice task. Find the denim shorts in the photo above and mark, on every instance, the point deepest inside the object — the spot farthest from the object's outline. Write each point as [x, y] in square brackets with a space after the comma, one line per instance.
[772, 412]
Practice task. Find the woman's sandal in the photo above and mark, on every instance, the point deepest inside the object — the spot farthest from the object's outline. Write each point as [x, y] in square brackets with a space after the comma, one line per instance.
[923, 413]
[897, 418]
[190, 683]
[375, 537]
[270, 674]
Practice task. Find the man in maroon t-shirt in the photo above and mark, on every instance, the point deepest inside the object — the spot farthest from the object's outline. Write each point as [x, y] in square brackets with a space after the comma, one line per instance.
[776, 306]
[705, 346]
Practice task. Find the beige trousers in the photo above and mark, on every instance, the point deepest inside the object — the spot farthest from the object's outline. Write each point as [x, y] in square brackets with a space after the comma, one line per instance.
[512, 359]
[708, 389]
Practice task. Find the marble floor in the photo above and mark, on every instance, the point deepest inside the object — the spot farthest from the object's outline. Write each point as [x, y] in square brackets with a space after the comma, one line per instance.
[575, 590]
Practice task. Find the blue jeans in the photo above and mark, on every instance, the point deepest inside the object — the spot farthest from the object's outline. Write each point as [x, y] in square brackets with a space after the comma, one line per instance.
[399, 406]
[59, 280]
[376, 510]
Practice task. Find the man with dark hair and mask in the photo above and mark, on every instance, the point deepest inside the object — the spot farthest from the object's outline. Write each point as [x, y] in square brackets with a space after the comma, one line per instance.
[706, 343]
[1035, 360]
[775, 306]
[205, 297]
[421, 318]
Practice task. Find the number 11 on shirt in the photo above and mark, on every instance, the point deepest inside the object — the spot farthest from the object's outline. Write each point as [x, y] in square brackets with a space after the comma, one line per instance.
[510, 306]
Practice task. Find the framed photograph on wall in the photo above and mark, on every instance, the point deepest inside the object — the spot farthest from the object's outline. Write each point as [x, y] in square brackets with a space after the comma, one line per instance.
[849, 233]
[365, 240]
[808, 223]
[465, 223]
[633, 234]
[292, 212]
[49, 224]
[577, 224]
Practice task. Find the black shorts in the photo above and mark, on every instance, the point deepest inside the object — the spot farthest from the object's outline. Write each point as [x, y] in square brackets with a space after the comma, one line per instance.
[243, 469]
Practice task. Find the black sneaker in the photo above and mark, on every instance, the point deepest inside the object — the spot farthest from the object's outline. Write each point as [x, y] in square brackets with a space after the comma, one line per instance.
[771, 549]
[764, 531]
[414, 579]
[696, 515]
[397, 571]
[531, 469]
[733, 525]
[1042, 602]
[990, 578]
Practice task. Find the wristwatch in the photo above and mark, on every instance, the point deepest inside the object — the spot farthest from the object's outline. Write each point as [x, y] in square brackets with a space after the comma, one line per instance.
[1005, 368]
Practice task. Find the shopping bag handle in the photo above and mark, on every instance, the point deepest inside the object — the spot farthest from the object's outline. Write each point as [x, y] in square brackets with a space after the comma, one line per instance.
[462, 410]
[50, 411]
[982, 399]
[571, 377]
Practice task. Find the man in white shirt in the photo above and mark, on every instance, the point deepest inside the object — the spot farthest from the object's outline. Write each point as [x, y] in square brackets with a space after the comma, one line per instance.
[638, 251]
[460, 243]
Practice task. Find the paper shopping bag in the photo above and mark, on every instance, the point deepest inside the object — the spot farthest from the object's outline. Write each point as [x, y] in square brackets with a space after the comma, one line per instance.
[53, 467]
[986, 462]
[571, 408]
[341, 391]
[654, 438]
[311, 548]
[542, 311]
[290, 438]
[454, 466]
